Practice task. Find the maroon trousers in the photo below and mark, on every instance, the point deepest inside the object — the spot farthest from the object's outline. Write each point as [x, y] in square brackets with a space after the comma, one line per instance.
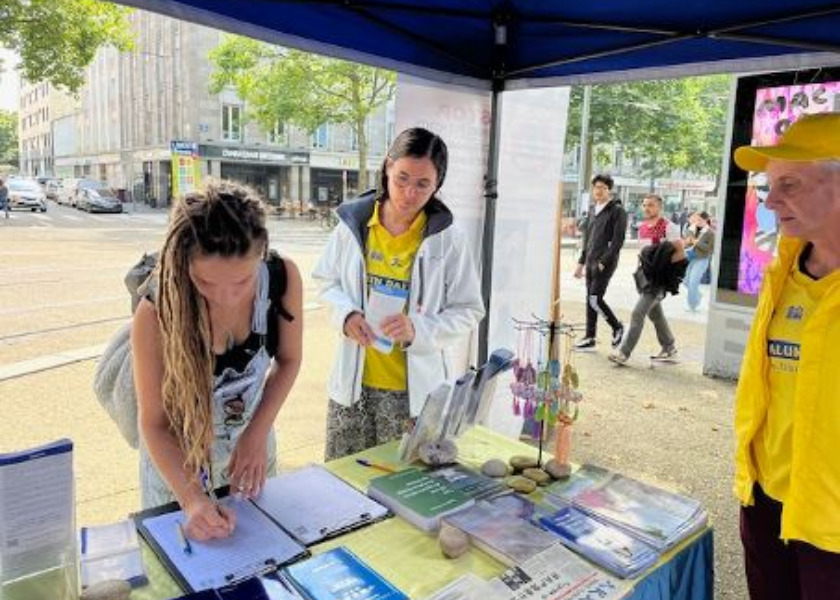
[779, 571]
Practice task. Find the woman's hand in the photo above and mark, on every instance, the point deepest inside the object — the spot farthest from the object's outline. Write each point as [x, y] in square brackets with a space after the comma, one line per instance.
[248, 462]
[399, 328]
[207, 520]
[358, 330]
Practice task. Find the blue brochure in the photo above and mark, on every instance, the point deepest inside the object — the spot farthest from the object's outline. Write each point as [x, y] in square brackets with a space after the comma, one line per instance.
[340, 575]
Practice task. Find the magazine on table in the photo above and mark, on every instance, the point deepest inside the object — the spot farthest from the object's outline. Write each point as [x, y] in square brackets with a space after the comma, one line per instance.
[505, 537]
[616, 551]
[658, 517]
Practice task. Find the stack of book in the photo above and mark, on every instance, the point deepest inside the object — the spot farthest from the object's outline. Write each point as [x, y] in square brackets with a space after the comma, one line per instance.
[418, 497]
[655, 516]
[604, 545]
[501, 534]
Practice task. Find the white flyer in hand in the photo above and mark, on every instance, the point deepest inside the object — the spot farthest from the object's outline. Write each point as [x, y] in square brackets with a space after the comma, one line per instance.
[384, 301]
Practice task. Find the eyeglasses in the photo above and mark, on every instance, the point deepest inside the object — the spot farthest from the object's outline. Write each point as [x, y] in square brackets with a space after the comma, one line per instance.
[403, 181]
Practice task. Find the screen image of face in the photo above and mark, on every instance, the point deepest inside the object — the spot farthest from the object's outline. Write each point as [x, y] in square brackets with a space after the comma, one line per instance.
[776, 108]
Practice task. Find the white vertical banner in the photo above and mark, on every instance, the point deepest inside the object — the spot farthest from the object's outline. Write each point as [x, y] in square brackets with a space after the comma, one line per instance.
[533, 132]
[461, 117]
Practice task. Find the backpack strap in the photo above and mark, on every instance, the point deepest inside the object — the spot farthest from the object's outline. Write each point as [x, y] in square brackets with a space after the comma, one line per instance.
[278, 280]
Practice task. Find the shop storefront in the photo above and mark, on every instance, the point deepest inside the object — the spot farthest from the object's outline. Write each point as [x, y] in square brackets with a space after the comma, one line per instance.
[275, 174]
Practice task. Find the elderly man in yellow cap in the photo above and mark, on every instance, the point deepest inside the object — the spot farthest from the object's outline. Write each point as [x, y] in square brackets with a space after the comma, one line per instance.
[787, 414]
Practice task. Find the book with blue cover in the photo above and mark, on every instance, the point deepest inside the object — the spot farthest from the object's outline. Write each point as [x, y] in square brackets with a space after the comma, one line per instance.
[607, 546]
[340, 575]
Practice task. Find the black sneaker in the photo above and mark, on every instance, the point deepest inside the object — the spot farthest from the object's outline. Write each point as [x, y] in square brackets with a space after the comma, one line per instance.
[585, 344]
[618, 335]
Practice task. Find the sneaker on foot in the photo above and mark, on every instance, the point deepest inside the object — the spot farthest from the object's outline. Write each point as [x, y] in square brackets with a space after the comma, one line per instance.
[618, 357]
[586, 343]
[617, 336]
[665, 355]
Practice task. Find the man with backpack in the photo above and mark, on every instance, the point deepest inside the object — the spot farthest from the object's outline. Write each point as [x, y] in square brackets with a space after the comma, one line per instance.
[661, 268]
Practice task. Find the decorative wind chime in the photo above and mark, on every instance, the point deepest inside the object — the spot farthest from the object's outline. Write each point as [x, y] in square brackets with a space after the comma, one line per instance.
[546, 393]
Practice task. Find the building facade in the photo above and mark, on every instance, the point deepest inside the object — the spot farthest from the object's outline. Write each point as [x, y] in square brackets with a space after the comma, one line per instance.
[135, 104]
[39, 105]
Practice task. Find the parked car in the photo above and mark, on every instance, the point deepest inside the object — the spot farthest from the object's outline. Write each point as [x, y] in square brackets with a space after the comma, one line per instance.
[26, 194]
[67, 192]
[71, 190]
[53, 189]
[98, 199]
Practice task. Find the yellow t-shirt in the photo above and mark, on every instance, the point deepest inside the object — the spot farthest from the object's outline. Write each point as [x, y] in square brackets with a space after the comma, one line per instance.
[772, 443]
[389, 260]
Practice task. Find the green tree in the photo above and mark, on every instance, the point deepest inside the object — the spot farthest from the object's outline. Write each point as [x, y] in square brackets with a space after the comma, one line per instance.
[57, 39]
[675, 124]
[288, 86]
[8, 138]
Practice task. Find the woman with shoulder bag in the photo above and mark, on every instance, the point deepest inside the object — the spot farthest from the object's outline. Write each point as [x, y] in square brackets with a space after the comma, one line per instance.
[216, 352]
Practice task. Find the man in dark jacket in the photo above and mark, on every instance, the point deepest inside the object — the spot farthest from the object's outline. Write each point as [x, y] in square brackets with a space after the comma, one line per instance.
[602, 242]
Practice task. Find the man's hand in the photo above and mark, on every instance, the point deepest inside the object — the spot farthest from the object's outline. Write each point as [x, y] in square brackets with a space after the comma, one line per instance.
[578, 271]
[601, 266]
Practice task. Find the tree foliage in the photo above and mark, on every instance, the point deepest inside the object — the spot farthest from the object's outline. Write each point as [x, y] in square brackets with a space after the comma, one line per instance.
[675, 124]
[288, 86]
[57, 39]
[8, 138]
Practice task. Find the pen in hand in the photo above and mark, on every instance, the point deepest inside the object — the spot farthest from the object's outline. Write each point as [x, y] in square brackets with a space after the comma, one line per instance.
[207, 484]
[183, 541]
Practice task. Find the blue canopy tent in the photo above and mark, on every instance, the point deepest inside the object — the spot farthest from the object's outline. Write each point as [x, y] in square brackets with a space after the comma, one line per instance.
[501, 45]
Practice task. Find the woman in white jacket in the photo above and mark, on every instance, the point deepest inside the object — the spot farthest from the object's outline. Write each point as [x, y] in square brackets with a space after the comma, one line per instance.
[403, 288]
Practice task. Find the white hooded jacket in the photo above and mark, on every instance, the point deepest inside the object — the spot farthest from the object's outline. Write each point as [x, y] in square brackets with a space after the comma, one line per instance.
[444, 302]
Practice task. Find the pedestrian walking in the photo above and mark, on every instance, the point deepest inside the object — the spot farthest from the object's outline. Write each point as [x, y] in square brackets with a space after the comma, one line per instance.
[662, 265]
[700, 244]
[4, 198]
[787, 406]
[603, 238]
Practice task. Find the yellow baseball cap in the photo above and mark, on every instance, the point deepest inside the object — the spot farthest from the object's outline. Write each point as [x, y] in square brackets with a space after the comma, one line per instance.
[812, 138]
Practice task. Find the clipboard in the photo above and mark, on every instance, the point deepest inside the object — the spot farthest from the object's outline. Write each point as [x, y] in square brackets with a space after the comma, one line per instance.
[263, 547]
[338, 507]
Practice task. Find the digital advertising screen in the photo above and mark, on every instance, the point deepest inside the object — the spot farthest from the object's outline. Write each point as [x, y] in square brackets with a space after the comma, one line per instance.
[765, 107]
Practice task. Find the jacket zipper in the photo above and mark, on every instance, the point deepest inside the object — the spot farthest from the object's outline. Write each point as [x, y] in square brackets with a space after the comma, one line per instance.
[359, 348]
[420, 291]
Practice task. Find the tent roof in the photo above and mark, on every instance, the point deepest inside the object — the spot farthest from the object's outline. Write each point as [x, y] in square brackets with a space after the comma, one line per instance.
[547, 42]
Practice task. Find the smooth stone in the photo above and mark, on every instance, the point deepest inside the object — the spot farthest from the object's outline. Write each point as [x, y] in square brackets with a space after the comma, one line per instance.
[522, 462]
[113, 589]
[453, 541]
[557, 469]
[441, 452]
[522, 485]
[538, 476]
[495, 468]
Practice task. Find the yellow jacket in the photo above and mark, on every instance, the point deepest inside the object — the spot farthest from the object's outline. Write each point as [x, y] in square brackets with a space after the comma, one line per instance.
[811, 510]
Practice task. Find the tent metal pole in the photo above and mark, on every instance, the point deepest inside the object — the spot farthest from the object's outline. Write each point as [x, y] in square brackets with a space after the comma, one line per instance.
[487, 239]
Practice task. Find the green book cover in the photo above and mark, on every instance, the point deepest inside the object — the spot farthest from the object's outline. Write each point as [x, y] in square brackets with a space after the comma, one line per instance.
[413, 493]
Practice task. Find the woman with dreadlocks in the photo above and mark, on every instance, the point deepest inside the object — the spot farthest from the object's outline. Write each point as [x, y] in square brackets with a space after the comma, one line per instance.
[217, 347]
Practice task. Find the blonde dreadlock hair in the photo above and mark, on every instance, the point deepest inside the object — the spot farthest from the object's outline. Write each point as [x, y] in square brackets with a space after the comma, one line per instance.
[222, 219]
